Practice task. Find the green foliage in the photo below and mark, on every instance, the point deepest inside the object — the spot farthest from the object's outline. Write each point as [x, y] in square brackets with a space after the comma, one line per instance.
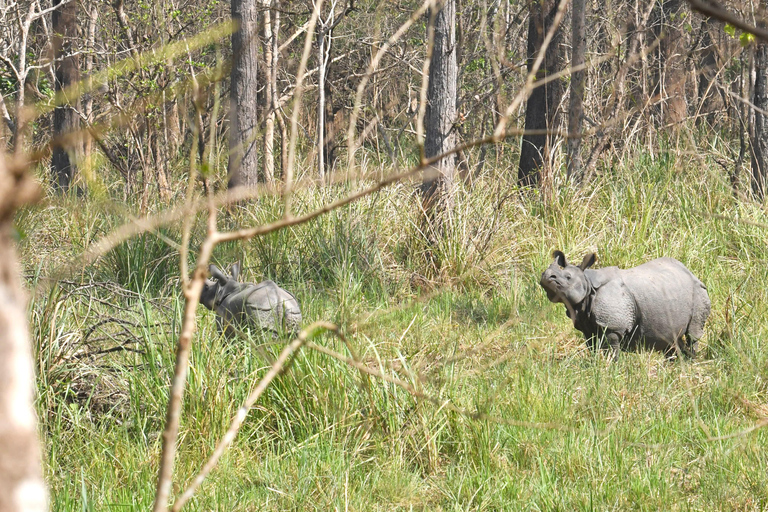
[461, 319]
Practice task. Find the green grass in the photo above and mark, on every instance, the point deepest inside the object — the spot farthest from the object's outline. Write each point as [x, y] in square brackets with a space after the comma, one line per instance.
[476, 329]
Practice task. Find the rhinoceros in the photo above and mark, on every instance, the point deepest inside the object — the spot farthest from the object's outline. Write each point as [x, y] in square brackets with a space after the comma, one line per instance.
[237, 305]
[658, 305]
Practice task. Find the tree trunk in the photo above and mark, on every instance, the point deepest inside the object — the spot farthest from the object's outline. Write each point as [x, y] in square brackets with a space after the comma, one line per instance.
[65, 118]
[271, 30]
[576, 107]
[440, 135]
[672, 50]
[243, 113]
[759, 132]
[321, 76]
[283, 145]
[329, 151]
[709, 99]
[93, 17]
[160, 156]
[541, 111]
[21, 482]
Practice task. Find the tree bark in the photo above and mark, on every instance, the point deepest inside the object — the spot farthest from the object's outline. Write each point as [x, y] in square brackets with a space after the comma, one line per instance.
[322, 59]
[672, 49]
[21, 482]
[759, 131]
[541, 112]
[65, 118]
[576, 107]
[271, 30]
[243, 113]
[93, 16]
[440, 136]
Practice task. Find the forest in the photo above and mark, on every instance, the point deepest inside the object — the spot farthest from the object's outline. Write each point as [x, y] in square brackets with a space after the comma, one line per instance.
[396, 175]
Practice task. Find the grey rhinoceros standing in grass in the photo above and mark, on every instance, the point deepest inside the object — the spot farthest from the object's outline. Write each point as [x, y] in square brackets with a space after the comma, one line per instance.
[237, 305]
[660, 305]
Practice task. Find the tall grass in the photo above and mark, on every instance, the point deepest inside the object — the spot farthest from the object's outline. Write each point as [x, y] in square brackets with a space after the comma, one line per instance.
[475, 329]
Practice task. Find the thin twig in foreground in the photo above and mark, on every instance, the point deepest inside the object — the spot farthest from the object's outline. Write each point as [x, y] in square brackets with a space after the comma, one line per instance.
[171, 431]
[307, 333]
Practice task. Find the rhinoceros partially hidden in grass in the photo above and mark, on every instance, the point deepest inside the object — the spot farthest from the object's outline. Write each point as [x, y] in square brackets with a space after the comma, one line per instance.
[659, 305]
[238, 305]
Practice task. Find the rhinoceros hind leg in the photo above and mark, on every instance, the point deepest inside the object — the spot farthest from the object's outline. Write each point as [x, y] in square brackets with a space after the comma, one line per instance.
[701, 308]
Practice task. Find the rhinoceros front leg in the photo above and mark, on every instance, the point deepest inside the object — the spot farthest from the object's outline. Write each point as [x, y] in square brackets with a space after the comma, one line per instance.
[614, 342]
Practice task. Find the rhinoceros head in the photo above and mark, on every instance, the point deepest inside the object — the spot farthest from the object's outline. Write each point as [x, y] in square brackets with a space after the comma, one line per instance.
[567, 283]
[214, 286]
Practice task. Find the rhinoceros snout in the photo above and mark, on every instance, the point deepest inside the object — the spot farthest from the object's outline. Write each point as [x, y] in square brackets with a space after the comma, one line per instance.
[548, 279]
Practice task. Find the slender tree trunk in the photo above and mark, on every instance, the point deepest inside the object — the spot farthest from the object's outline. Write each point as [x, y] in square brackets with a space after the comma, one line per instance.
[576, 108]
[160, 158]
[21, 481]
[283, 144]
[321, 59]
[243, 113]
[759, 132]
[709, 95]
[65, 118]
[672, 48]
[271, 29]
[93, 17]
[440, 136]
[329, 151]
[541, 109]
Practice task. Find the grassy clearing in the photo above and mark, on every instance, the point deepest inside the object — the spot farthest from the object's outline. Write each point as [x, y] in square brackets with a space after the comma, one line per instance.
[478, 331]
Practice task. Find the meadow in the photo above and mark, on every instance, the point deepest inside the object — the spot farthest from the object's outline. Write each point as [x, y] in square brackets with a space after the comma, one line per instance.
[550, 425]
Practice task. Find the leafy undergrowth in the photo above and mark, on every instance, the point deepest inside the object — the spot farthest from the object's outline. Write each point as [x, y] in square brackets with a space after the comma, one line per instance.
[569, 430]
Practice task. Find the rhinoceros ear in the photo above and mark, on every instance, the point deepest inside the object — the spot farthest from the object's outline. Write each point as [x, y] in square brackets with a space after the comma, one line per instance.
[588, 261]
[234, 269]
[559, 258]
[217, 274]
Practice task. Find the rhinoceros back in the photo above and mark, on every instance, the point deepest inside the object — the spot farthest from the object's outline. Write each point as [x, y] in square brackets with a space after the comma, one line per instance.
[270, 306]
[264, 305]
[670, 300]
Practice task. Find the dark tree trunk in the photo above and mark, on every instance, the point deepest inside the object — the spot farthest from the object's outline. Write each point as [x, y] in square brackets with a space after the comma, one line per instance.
[243, 112]
[323, 57]
[331, 121]
[709, 98]
[440, 136]
[759, 132]
[541, 111]
[576, 108]
[65, 118]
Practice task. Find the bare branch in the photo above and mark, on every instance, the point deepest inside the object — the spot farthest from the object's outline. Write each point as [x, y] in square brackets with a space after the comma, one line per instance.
[352, 141]
[713, 9]
[306, 334]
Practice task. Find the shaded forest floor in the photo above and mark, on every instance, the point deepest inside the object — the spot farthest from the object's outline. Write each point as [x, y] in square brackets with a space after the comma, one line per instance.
[642, 434]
